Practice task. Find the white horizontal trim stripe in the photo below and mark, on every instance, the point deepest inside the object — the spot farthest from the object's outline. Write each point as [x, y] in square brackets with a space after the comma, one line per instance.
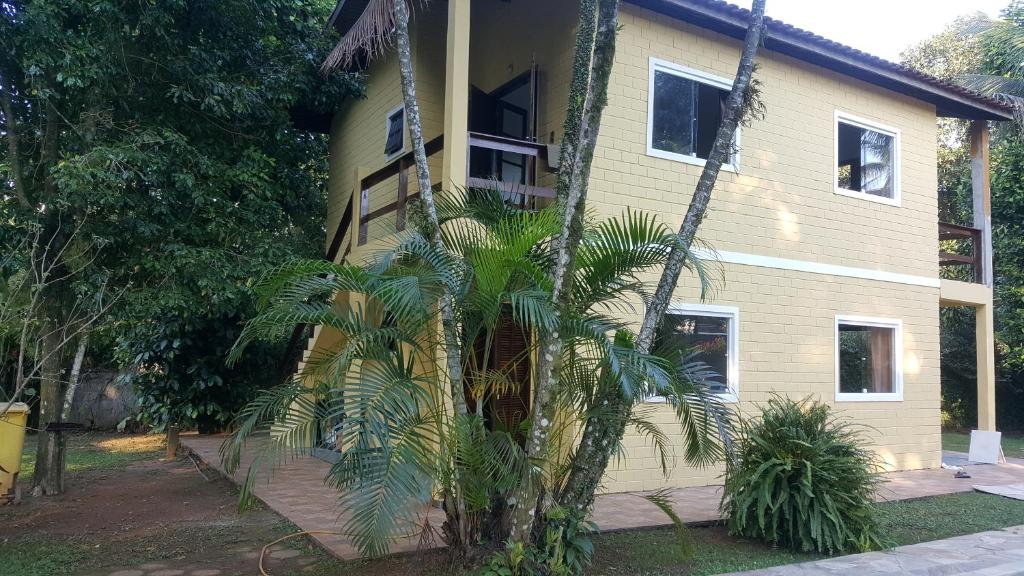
[814, 267]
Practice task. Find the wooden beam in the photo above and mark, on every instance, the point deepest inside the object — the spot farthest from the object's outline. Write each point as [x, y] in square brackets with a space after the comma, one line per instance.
[981, 190]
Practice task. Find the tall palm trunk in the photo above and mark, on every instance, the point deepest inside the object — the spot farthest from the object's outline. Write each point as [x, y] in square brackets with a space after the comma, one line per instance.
[588, 95]
[455, 508]
[412, 114]
[602, 434]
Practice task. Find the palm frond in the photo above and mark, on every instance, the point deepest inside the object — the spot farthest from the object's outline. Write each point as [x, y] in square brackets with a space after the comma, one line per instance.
[369, 35]
[663, 500]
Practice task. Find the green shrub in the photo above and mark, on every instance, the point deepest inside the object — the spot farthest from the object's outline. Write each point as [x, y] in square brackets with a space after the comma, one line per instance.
[799, 478]
[567, 550]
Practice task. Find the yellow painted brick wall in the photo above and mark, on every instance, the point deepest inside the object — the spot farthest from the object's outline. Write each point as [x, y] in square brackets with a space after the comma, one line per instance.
[782, 204]
[358, 131]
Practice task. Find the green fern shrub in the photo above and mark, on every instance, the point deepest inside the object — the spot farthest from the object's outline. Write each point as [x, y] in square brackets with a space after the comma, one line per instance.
[799, 478]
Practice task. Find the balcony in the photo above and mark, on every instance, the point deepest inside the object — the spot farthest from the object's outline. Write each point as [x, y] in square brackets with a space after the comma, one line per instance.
[509, 165]
[960, 251]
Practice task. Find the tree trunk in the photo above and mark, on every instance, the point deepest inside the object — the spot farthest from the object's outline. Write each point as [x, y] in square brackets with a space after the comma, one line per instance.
[49, 473]
[76, 372]
[601, 435]
[595, 54]
[412, 114]
[455, 509]
[173, 440]
[13, 144]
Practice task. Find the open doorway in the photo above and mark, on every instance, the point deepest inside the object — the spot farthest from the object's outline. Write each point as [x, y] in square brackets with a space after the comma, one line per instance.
[508, 111]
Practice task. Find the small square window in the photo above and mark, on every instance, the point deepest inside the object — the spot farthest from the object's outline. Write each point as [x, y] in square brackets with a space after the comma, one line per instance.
[867, 160]
[868, 359]
[706, 334]
[685, 110]
[396, 132]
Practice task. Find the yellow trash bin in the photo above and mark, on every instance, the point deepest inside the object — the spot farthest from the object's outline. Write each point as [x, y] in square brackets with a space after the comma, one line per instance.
[12, 439]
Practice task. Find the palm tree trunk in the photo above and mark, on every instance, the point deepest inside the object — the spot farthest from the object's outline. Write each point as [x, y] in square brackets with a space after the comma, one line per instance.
[455, 509]
[601, 435]
[412, 114]
[595, 54]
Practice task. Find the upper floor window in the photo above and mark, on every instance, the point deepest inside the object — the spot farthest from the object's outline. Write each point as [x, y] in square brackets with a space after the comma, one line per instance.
[867, 160]
[395, 142]
[868, 359]
[706, 334]
[684, 111]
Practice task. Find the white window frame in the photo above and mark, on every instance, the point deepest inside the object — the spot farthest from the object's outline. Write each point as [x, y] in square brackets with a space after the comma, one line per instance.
[892, 131]
[387, 126]
[897, 361]
[658, 65]
[732, 313]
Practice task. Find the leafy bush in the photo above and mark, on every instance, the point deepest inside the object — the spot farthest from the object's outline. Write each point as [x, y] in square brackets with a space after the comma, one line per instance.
[799, 478]
[567, 550]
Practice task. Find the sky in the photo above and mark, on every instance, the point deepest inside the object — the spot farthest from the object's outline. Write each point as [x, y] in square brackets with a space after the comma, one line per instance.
[880, 27]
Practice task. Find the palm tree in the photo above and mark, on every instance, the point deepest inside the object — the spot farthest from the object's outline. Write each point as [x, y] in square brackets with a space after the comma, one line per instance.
[402, 443]
[1002, 47]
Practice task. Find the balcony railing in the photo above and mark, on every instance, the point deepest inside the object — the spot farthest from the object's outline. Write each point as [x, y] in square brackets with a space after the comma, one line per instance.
[401, 167]
[957, 238]
[404, 164]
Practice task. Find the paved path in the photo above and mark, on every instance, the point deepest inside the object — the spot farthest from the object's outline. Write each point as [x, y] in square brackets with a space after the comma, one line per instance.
[995, 553]
[297, 492]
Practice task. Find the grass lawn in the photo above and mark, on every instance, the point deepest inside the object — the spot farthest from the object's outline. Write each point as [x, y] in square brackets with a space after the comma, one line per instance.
[1013, 445]
[92, 451]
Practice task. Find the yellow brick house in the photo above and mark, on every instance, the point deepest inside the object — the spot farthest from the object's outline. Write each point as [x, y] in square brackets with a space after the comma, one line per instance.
[824, 225]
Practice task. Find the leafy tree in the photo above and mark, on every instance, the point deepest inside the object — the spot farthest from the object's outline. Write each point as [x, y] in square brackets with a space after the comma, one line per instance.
[160, 135]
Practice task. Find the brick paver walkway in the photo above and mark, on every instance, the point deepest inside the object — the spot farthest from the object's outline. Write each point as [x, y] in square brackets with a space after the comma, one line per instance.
[995, 553]
[297, 492]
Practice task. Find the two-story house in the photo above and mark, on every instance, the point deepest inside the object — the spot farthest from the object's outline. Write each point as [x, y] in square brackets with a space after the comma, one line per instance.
[824, 225]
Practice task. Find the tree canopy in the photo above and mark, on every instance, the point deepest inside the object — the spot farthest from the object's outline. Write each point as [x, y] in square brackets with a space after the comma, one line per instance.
[157, 137]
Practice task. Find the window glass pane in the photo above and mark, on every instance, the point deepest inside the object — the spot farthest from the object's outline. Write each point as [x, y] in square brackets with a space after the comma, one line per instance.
[866, 359]
[672, 122]
[395, 128]
[686, 115]
[706, 338]
[866, 161]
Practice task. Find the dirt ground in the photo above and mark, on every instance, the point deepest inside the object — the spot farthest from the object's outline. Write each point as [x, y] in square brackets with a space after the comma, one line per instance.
[127, 512]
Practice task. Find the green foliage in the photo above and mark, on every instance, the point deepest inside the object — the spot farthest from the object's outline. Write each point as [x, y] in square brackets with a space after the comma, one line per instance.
[800, 479]
[567, 550]
[161, 132]
[985, 54]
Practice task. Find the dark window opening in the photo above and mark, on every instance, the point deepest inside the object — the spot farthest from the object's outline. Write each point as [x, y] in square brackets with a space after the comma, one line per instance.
[396, 133]
[686, 115]
[698, 338]
[866, 161]
[866, 355]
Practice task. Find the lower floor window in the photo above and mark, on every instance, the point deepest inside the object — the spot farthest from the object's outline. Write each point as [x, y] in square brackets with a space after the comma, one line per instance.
[868, 359]
[709, 335]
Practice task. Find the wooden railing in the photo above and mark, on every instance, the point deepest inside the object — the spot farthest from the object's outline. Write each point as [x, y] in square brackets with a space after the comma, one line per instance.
[398, 167]
[533, 151]
[949, 231]
[401, 167]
